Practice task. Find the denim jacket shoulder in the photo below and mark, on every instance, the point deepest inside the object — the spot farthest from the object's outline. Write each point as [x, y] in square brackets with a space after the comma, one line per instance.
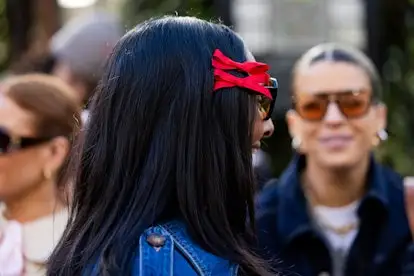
[167, 249]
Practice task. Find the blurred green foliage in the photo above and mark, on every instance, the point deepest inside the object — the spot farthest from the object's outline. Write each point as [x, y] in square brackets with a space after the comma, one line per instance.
[4, 36]
[398, 78]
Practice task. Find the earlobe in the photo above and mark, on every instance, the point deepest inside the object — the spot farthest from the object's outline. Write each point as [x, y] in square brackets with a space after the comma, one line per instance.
[59, 150]
[381, 116]
[292, 121]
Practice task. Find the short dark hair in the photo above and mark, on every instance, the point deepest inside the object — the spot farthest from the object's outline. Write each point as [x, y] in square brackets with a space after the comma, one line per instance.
[161, 145]
[337, 52]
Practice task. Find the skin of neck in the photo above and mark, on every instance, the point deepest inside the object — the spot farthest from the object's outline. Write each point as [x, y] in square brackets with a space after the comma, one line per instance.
[38, 203]
[335, 188]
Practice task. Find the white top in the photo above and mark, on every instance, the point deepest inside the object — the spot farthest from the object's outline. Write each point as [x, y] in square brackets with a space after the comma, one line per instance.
[337, 217]
[39, 238]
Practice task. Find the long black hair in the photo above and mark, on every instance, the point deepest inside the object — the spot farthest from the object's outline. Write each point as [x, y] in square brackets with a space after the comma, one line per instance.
[160, 145]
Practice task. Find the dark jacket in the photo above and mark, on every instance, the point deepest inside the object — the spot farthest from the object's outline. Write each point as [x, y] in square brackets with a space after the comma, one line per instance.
[383, 246]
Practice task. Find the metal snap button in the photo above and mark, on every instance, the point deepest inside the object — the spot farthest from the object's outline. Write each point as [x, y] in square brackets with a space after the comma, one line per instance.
[156, 241]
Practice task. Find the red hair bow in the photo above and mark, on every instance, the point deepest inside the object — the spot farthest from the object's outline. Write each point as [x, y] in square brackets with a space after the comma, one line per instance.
[257, 76]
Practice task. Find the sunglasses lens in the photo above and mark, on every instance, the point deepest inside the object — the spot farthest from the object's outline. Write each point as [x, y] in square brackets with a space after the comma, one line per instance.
[312, 109]
[265, 106]
[354, 105]
[351, 104]
[4, 141]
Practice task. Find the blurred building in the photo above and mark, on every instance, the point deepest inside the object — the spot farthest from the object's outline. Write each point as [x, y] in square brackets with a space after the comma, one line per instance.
[278, 31]
[71, 8]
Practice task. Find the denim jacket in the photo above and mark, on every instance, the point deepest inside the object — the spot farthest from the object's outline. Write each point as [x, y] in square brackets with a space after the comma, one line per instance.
[167, 249]
[383, 246]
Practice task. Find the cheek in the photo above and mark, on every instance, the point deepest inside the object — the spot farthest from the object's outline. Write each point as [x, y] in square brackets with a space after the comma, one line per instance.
[258, 129]
[365, 131]
[19, 172]
[308, 134]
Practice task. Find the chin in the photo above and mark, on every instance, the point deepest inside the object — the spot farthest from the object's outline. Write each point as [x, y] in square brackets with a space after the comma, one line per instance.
[338, 161]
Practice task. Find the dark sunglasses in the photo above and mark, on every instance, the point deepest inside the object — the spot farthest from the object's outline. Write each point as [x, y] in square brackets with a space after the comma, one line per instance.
[10, 143]
[352, 104]
[267, 105]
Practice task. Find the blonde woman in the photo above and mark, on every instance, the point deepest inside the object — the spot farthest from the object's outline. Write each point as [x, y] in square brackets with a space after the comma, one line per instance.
[335, 210]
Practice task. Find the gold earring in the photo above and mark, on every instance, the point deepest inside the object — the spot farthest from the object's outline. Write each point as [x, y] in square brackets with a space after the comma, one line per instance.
[375, 141]
[47, 174]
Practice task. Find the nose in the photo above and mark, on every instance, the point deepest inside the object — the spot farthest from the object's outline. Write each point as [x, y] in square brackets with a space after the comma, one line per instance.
[268, 128]
[333, 114]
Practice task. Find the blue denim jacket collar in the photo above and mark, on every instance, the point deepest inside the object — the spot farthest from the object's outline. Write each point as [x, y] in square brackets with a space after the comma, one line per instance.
[203, 261]
[162, 260]
[177, 254]
[297, 222]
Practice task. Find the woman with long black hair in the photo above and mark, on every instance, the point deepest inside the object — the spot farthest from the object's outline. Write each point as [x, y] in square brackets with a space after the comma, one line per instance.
[164, 182]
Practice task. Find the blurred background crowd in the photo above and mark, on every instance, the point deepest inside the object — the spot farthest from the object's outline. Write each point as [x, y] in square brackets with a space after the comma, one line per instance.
[277, 32]
[72, 38]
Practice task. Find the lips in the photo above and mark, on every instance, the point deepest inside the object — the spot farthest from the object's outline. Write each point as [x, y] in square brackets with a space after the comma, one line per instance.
[335, 141]
[255, 147]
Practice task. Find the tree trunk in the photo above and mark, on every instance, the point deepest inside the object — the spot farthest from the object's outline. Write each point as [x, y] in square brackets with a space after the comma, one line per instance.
[32, 24]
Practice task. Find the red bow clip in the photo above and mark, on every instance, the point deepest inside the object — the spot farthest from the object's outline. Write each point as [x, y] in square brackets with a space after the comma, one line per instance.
[256, 71]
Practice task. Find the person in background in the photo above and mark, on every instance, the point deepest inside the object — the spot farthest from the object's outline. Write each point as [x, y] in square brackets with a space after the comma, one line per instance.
[335, 210]
[79, 50]
[39, 117]
[262, 168]
[164, 182]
